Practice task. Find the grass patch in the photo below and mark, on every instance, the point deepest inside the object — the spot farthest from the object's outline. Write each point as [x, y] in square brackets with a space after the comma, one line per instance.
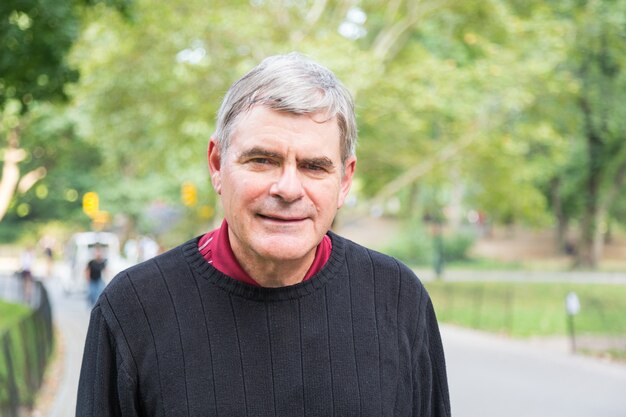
[414, 245]
[22, 337]
[530, 309]
[611, 354]
[10, 314]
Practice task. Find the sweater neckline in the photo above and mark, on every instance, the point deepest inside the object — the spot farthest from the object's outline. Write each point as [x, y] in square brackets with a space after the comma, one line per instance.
[240, 289]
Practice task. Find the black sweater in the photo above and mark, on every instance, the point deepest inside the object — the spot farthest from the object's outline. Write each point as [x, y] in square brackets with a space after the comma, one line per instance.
[173, 336]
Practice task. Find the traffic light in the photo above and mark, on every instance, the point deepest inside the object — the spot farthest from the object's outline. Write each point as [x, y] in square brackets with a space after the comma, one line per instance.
[91, 204]
[189, 194]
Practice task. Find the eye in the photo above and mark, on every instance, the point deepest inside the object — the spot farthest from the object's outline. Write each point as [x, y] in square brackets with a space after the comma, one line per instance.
[316, 166]
[313, 167]
[261, 161]
[314, 170]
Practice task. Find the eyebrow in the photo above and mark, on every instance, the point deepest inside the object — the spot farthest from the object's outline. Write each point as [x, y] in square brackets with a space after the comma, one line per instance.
[321, 162]
[256, 152]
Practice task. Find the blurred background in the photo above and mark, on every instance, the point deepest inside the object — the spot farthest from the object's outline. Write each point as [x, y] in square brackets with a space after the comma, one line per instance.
[491, 159]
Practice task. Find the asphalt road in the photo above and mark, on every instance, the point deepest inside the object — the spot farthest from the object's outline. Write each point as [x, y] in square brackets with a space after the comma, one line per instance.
[71, 315]
[489, 376]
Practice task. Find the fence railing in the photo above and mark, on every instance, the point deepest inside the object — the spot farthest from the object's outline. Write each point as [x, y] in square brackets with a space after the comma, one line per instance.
[537, 310]
[25, 348]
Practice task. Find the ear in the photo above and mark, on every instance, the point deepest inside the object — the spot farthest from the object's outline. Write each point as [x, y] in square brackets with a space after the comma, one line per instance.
[215, 165]
[346, 180]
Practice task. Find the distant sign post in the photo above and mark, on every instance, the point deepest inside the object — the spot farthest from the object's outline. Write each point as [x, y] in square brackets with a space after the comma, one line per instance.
[572, 307]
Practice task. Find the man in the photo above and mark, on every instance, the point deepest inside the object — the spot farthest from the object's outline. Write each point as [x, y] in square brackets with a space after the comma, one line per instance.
[94, 273]
[271, 314]
[27, 261]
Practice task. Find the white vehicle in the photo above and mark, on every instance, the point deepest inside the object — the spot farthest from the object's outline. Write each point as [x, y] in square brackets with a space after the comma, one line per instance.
[81, 249]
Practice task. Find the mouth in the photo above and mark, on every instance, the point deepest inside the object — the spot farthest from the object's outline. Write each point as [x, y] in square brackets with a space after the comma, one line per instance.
[281, 218]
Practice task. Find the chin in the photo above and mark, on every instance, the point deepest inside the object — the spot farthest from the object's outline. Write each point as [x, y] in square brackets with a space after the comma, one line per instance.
[287, 249]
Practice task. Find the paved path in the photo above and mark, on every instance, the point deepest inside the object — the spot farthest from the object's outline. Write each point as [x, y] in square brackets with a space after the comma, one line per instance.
[491, 376]
[71, 316]
[589, 277]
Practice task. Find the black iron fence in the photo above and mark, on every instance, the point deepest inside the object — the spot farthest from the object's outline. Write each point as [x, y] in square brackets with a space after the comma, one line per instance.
[25, 347]
[539, 310]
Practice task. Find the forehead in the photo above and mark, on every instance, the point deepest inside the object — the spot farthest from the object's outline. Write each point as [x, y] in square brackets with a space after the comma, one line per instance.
[263, 125]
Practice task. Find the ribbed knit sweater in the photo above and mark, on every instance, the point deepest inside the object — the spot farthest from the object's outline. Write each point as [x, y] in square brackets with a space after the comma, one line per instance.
[173, 336]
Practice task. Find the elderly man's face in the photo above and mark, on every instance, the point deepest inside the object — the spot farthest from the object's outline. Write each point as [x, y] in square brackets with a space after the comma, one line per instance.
[281, 182]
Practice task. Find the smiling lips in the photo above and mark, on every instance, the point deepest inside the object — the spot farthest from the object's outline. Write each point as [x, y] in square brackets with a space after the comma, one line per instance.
[282, 219]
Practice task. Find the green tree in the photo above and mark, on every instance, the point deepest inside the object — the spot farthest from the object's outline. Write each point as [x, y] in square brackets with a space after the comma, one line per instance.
[599, 63]
[554, 136]
[587, 109]
[454, 103]
[67, 167]
[35, 37]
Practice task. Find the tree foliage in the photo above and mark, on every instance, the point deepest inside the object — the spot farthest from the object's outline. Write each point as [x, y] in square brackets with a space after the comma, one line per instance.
[510, 108]
[66, 164]
[35, 38]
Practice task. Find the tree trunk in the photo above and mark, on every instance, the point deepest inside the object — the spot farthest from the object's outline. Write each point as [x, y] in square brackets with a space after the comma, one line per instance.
[13, 155]
[562, 221]
[597, 247]
[590, 249]
[12, 180]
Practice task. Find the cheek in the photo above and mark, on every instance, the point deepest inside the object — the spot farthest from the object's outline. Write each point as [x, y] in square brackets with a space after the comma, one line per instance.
[245, 189]
[325, 197]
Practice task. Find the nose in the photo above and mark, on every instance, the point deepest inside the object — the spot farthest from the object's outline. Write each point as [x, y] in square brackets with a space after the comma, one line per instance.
[288, 187]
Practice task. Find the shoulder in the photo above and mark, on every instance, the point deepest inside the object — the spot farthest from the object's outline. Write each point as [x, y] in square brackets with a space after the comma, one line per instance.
[380, 264]
[393, 284]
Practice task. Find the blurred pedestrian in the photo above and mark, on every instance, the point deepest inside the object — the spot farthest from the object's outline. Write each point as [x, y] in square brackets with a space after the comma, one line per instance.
[271, 314]
[94, 273]
[131, 251]
[27, 262]
[148, 248]
[47, 244]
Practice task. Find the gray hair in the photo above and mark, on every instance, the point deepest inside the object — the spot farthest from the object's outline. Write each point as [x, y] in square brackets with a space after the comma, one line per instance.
[294, 84]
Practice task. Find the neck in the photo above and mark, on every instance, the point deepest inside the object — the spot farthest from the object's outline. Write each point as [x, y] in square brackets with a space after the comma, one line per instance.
[273, 273]
[278, 273]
